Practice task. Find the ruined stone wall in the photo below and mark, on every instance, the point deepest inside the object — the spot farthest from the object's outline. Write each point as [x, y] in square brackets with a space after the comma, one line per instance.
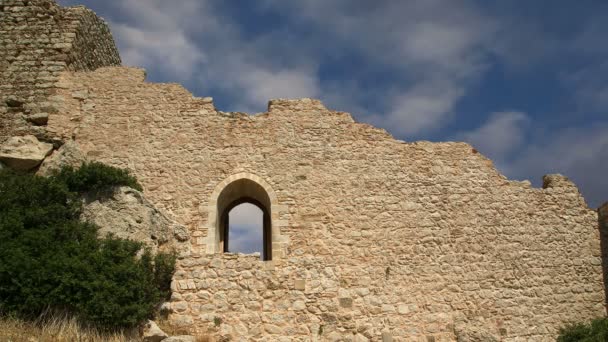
[381, 238]
[38, 40]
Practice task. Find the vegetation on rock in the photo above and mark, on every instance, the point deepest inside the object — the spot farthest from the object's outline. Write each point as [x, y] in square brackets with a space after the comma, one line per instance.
[596, 331]
[95, 176]
[52, 261]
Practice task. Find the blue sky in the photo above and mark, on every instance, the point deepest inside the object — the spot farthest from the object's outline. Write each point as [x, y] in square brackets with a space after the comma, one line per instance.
[526, 82]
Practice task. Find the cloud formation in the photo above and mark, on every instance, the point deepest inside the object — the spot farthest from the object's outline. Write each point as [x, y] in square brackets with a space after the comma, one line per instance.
[245, 231]
[436, 69]
[502, 134]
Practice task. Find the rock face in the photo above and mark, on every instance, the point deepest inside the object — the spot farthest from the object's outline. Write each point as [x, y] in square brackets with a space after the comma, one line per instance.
[152, 333]
[69, 154]
[24, 153]
[126, 213]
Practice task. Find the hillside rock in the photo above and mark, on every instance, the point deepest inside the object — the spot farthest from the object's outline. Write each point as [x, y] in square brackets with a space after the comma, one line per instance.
[126, 213]
[69, 154]
[24, 153]
[152, 333]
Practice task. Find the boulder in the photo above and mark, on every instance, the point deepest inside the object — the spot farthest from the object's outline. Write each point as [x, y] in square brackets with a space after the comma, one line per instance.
[24, 153]
[152, 333]
[126, 213]
[69, 154]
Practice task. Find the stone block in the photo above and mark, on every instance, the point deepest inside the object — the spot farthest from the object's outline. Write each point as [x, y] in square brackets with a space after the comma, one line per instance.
[300, 284]
[24, 153]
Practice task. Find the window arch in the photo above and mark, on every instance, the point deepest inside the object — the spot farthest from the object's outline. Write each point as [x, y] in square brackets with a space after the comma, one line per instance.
[245, 188]
[239, 192]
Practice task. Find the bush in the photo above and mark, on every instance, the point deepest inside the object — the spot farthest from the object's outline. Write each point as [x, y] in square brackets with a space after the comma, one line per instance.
[95, 177]
[51, 260]
[596, 331]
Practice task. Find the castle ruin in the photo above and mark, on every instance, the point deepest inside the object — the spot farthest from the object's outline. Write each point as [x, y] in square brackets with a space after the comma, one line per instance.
[365, 237]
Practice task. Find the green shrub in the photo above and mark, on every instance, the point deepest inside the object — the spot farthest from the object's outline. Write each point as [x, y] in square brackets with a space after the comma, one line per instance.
[596, 331]
[50, 260]
[95, 176]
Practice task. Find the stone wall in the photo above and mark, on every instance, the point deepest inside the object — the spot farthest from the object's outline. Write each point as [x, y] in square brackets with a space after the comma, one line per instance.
[39, 40]
[380, 238]
[603, 227]
[373, 238]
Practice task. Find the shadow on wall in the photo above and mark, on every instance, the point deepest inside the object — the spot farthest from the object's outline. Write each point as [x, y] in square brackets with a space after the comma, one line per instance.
[603, 227]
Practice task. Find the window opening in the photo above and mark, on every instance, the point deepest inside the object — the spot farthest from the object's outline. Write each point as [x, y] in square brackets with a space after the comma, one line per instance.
[245, 229]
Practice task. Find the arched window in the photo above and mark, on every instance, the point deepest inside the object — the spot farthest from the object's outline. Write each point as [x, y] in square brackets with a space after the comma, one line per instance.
[238, 192]
[245, 187]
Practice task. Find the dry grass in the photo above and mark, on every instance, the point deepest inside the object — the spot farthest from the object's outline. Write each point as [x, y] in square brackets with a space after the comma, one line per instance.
[60, 329]
[172, 330]
[65, 329]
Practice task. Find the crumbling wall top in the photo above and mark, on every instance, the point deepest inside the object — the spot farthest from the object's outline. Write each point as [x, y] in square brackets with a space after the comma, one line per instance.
[39, 40]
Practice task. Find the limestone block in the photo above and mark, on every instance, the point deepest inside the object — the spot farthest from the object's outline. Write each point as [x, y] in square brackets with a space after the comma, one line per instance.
[360, 338]
[126, 213]
[180, 338]
[474, 334]
[300, 284]
[387, 337]
[67, 155]
[38, 119]
[24, 153]
[152, 333]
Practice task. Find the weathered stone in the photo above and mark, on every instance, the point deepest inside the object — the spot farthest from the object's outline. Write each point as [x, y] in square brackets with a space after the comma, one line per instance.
[24, 153]
[69, 154]
[417, 235]
[181, 338]
[299, 305]
[360, 338]
[38, 119]
[126, 213]
[14, 102]
[40, 39]
[346, 302]
[152, 333]
[474, 334]
[300, 284]
[387, 336]
[181, 320]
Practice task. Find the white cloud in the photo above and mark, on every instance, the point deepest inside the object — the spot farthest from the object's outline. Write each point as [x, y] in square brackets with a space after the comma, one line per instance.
[580, 154]
[590, 86]
[502, 134]
[420, 109]
[171, 52]
[246, 228]
[439, 47]
[193, 43]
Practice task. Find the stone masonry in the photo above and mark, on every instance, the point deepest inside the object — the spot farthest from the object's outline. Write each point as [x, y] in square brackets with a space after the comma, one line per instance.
[38, 41]
[372, 238]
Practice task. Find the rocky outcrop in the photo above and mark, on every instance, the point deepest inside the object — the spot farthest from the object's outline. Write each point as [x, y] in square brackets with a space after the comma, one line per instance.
[152, 333]
[126, 213]
[67, 155]
[24, 153]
